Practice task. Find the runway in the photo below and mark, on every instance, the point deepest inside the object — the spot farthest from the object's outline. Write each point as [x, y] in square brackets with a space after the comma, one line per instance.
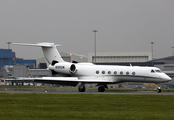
[94, 92]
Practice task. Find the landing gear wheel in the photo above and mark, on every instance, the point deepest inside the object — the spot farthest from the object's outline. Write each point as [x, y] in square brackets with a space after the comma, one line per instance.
[101, 88]
[81, 89]
[158, 91]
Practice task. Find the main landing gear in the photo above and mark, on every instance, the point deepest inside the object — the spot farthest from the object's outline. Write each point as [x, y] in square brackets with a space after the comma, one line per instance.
[82, 88]
[101, 88]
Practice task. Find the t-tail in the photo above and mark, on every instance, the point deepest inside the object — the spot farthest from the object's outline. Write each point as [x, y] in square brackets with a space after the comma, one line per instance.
[50, 51]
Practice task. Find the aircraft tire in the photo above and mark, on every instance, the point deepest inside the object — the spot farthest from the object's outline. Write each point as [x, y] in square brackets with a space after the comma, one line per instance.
[158, 90]
[101, 88]
[82, 89]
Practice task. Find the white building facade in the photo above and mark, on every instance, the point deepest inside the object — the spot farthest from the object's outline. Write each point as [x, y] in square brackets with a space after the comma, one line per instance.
[113, 57]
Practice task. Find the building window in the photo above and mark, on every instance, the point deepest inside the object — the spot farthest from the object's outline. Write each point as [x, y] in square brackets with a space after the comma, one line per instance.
[109, 72]
[115, 72]
[121, 73]
[97, 72]
[103, 72]
[127, 73]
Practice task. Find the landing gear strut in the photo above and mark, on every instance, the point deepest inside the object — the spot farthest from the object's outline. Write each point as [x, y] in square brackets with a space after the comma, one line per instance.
[82, 88]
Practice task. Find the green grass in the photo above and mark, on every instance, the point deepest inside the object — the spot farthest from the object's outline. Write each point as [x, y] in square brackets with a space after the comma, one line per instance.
[33, 106]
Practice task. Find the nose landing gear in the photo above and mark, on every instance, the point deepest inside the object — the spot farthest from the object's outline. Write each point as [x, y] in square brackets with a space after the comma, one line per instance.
[158, 89]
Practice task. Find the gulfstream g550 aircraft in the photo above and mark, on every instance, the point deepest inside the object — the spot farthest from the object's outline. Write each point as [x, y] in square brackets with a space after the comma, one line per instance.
[86, 73]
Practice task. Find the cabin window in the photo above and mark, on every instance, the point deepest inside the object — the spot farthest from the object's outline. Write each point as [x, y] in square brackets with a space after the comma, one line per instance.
[109, 72]
[121, 73]
[158, 71]
[115, 72]
[103, 72]
[152, 71]
[97, 72]
[127, 73]
[133, 73]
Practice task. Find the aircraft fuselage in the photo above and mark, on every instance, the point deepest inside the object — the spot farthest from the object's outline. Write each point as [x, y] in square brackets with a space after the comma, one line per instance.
[114, 74]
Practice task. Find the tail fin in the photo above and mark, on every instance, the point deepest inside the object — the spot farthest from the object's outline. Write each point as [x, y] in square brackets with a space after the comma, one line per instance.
[49, 49]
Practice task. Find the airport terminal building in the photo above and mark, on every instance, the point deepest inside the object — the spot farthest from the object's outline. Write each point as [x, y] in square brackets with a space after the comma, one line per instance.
[116, 57]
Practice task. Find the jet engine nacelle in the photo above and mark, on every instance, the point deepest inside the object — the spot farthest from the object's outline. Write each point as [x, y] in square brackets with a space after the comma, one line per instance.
[65, 68]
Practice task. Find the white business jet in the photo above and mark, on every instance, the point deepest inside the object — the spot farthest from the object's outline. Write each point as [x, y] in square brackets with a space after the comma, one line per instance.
[88, 73]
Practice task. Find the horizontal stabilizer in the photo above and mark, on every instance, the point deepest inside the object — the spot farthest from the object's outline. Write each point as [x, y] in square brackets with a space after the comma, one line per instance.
[49, 49]
[44, 44]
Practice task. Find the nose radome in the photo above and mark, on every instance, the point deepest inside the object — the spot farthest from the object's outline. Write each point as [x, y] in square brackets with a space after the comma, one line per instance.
[168, 78]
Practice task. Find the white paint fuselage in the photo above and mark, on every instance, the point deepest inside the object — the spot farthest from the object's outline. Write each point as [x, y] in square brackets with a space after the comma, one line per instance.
[114, 74]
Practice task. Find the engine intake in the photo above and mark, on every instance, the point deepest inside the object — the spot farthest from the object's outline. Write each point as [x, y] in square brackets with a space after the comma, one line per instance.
[64, 68]
[54, 62]
[72, 68]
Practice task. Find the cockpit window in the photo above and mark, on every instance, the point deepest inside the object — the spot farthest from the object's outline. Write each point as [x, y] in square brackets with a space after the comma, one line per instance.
[152, 71]
[158, 71]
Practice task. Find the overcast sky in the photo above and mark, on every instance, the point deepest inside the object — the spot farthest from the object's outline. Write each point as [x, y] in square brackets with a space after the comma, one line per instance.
[122, 25]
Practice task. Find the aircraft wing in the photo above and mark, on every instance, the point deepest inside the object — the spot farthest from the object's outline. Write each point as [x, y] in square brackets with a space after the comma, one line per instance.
[73, 81]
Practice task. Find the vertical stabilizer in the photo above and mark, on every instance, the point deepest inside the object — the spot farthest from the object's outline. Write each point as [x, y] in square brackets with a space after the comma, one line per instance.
[49, 50]
[51, 54]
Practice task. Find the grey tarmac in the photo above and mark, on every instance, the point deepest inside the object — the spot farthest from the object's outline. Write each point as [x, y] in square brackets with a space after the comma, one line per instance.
[94, 92]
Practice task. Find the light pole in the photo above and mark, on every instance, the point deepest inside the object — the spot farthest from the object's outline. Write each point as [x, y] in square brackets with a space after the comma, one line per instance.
[95, 43]
[173, 50]
[152, 49]
[9, 52]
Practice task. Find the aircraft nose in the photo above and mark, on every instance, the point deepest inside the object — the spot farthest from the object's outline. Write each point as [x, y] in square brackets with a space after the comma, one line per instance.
[168, 78]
